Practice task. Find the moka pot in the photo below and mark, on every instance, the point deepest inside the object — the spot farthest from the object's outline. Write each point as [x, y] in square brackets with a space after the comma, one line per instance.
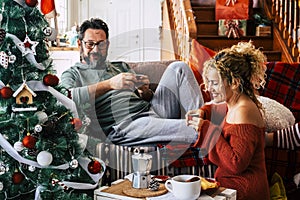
[141, 163]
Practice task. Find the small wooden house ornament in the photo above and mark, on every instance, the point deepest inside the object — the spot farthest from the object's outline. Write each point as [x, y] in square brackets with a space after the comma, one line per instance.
[24, 95]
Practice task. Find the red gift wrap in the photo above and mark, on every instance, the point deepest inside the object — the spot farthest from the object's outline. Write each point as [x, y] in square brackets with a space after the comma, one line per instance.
[239, 9]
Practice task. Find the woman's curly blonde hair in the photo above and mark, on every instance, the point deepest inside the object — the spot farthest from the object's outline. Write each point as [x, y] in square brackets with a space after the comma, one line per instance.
[242, 62]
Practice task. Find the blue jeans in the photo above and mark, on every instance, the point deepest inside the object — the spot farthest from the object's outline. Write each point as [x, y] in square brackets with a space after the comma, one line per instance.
[177, 93]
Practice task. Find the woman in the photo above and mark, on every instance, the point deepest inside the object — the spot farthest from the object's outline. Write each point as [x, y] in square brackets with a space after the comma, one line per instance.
[233, 132]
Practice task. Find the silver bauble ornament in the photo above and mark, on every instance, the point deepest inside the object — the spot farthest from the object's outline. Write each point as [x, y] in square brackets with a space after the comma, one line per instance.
[44, 158]
[50, 33]
[2, 168]
[38, 128]
[47, 31]
[42, 116]
[73, 163]
[18, 146]
[31, 168]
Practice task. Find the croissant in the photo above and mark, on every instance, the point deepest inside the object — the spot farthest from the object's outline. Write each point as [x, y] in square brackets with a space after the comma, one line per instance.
[207, 184]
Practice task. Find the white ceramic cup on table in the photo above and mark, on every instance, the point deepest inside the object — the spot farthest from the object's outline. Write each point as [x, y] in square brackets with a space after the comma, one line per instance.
[182, 189]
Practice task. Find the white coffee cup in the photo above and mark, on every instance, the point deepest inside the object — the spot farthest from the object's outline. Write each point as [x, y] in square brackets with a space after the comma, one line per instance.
[182, 189]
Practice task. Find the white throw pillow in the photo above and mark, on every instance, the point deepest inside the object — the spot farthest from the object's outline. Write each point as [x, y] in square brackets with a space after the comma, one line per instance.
[276, 115]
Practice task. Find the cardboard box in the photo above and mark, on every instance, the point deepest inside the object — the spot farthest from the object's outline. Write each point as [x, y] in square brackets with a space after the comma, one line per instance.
[263, 31]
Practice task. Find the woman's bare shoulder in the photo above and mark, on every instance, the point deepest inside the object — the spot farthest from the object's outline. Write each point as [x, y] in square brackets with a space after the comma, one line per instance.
[248, 114]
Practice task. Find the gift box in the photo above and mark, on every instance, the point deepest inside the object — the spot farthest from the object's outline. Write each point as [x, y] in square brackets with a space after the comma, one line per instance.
[232, 28]
[241, 9]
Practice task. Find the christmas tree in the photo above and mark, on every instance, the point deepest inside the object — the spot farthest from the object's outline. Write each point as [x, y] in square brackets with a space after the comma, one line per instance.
[42, 154]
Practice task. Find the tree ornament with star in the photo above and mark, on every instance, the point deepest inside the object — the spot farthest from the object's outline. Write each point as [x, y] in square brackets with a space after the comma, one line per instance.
[26, 52]
[28, 46]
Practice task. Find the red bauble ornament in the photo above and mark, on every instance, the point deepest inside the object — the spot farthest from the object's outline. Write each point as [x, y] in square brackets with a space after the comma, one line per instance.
[76, 123]
[31, 3]
[94, 167]
[51, 80]
[17, 177]
[6, 92]
[29, 141]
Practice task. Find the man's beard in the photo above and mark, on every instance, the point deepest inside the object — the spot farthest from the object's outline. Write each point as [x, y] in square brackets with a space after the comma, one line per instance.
[96, 63]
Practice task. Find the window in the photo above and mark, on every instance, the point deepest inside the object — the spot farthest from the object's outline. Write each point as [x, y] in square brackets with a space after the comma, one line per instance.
[62, 18]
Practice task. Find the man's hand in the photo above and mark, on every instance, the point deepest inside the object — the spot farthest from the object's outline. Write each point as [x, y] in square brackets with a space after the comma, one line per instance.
[123, 81]
[142, 81]
[129, 81]
[142, 85]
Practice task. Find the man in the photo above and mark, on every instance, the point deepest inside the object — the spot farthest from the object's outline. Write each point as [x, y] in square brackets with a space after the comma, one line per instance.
[105, 92]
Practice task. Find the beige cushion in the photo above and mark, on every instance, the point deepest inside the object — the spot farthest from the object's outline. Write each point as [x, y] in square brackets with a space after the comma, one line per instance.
[276, 115]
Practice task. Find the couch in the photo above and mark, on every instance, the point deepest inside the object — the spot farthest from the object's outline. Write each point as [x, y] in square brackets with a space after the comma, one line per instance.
[283, 85]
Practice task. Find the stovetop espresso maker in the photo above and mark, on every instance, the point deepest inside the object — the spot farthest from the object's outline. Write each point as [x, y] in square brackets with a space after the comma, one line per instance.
[141, 163]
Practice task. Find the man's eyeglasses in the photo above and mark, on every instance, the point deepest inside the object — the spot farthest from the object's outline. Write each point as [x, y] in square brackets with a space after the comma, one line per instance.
[91, 44]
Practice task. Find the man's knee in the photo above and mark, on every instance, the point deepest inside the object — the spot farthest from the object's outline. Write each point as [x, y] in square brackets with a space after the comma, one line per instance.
[177, 65]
